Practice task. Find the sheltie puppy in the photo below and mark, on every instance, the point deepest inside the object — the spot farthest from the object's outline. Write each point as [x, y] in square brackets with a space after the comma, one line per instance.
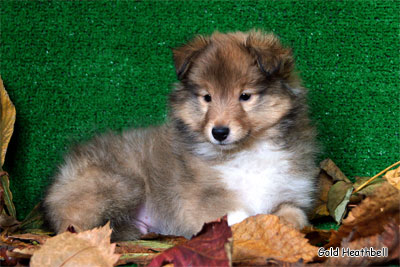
[238, 141]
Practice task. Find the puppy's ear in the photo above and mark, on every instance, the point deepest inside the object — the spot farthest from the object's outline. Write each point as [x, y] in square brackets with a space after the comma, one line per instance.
[185, 55]
[273, 59]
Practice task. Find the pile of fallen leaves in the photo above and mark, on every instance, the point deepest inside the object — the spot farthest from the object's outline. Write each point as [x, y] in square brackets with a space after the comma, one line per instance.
[366, 211]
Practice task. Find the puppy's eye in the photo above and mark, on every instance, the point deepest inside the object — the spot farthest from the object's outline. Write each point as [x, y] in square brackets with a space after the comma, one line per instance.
[244, 97]
[207, 98]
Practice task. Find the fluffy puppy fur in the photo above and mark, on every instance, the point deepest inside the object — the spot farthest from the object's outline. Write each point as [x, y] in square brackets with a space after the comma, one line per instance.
[238, 141]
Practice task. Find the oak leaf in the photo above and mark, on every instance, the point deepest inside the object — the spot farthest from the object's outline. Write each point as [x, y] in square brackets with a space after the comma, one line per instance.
[261, 237]
[210, 247]
[89, 248]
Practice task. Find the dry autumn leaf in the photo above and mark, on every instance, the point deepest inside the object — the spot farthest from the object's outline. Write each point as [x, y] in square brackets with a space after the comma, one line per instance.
[7, 120]
[89, 248]
[368, 189]
[338, 197]
[379, 208]
[325, 184]
[385, 242]
[40, 239]
[6, 196]
[143, 251]
[332, 170]
[334, 192]
[262, 237]
[393, 177]
[210, 247]
[316, 237]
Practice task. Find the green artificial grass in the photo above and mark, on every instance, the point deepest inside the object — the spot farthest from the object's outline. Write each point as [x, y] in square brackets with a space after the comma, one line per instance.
[76, 68]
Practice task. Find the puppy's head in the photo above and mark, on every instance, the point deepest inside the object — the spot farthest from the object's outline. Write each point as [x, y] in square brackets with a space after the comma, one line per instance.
[233, 87]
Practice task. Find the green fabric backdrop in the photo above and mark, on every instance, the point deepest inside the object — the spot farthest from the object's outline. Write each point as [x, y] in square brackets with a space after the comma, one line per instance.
[74, 69]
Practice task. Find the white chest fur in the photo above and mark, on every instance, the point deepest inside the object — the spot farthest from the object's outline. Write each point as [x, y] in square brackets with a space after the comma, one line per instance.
[262, 179]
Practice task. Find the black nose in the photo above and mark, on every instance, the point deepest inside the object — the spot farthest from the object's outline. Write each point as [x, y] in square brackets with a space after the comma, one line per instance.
[220, 133]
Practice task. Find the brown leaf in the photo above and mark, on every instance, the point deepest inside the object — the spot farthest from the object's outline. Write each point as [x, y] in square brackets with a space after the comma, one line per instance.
[210, 247]
[370, 188]
[7, 197]
[25, 252]
[7, 120]
[325, 184]
[334, 203]
[332, 170]
[393, 177]
[338, 197]
[34, 222]
[316, 237]
[41, 239]
[143, 251]
[387, 240]
[370, 216]
[5, 259]
[261, 237]
[89, 248]
[7, 221]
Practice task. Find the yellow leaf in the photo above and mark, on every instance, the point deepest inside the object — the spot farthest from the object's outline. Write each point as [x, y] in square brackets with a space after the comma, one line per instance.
[7, 119]
[89, 248]
[263, 236]
[393, 177]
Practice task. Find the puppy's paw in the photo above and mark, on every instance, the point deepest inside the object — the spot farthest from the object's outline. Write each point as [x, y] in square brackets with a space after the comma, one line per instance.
[236, 217]
[292, 215]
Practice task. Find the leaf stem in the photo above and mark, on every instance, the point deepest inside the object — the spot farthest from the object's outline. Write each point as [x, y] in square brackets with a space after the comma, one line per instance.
[376, 176]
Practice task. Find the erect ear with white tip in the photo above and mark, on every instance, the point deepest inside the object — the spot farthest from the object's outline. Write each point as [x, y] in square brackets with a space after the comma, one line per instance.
[272, 58]
[186, 54]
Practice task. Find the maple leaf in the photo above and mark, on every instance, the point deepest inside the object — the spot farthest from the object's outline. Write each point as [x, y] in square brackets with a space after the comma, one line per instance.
[89, 248]
[210, 247]
[262, 237]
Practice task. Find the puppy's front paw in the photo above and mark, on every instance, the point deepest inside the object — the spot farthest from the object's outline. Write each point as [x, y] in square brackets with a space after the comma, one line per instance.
[236, 217]
[292, 215]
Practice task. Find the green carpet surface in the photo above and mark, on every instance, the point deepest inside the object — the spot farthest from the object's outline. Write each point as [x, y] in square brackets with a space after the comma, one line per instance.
[77, 68]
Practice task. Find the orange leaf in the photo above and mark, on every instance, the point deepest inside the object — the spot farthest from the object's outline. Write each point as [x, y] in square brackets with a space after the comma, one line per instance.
[264, 237]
